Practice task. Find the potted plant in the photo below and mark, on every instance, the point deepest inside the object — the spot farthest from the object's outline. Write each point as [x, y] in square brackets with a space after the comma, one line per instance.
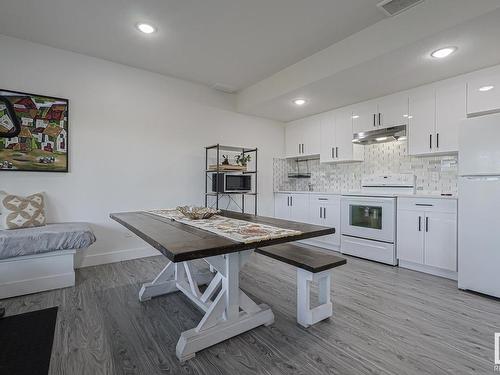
[242, 159]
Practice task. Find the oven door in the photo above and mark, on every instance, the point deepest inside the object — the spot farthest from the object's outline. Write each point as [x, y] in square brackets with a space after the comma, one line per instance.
[372, 218]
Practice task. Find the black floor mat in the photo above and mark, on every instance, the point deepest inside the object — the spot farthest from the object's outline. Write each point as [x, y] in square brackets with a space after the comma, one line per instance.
[26, 342]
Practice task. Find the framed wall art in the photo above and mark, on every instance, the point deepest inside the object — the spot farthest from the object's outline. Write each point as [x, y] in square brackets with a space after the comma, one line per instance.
[41, 143]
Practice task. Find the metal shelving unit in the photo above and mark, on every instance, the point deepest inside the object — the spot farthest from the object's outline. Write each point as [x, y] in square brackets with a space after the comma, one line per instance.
[217, 149]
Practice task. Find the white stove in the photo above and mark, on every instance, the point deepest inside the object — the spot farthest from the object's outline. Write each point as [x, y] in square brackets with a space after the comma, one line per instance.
[368, 225]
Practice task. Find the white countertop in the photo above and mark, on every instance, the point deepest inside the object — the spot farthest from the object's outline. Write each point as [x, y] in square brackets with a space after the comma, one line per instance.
[417, 195]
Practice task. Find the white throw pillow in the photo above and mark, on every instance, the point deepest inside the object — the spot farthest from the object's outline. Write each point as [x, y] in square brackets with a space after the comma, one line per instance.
[21, 212]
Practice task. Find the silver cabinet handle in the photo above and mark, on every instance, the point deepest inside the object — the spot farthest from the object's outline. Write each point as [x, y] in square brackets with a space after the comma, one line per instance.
[322, 199]
[320, 213]
[333, 153]
[324, 212]
[288, 201]
[379, 119]
[374, 119]
[426, 224]
[337, 152]
[291, 201]
[430, 141]
[420, 223]
[437, 140]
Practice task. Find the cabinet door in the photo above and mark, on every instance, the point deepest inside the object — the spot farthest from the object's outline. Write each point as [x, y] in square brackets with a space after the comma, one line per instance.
[483, 92]
[327, 137]
[343, 135]
[331, 218]
[422, 121]
[441, 240]
[292, 139]
[311, 135]
[281, 206]
[364, 116]
[315, 210]
[450, 110]
[299, 209]
[393, 110]
[411, 236]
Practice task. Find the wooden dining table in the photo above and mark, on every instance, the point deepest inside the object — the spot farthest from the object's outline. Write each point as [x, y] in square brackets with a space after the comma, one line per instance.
[228, 311]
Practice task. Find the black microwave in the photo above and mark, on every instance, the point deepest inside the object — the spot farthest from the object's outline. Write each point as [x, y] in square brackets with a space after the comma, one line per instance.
[231, 183]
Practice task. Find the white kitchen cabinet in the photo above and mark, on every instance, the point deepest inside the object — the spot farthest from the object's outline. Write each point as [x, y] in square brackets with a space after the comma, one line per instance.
[282, 206]
[290, 206]
[303, 137]
[410, 236]
[483, 92]
[324, 209]
[364, 116]
[441, 240]
[450, 110]
[422, 120]
[336, 138]
[327, 137]
[435, 113]
[427, 235]
[391, 110]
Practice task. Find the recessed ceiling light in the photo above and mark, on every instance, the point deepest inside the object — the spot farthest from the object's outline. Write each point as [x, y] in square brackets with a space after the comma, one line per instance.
[299, 101]
[355, 116]
[145, 28]
[443, 52]
[486, 88]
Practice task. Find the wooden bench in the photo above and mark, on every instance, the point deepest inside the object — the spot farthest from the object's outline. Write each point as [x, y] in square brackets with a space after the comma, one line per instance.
[312, 266]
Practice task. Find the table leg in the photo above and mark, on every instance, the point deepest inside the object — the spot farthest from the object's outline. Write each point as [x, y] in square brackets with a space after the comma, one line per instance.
[230, 313]
[166, 281]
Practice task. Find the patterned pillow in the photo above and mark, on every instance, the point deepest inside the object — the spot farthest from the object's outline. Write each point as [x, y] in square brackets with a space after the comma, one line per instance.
[21, 212]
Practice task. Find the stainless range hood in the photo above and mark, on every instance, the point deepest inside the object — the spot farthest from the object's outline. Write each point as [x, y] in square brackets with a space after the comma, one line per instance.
[391, 134]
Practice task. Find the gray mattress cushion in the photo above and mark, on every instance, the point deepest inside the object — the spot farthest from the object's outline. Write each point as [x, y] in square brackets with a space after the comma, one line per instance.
[51, 237]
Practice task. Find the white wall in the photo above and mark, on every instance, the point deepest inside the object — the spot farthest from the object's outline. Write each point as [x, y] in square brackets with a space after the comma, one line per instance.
[136, 141]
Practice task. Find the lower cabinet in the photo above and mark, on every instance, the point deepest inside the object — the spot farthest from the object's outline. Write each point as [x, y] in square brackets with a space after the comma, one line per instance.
[319, 209]
[427, 235]
[325, 210]
[292, 206]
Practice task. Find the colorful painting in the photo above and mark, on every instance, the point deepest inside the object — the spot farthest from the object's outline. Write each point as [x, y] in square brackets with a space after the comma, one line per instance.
[42, 144]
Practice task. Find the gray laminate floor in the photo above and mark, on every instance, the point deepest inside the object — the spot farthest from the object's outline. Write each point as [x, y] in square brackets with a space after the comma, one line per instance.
[386, 321]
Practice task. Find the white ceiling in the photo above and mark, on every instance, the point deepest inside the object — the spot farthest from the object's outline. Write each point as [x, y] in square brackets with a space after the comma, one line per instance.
[235, 43]
[390, 56]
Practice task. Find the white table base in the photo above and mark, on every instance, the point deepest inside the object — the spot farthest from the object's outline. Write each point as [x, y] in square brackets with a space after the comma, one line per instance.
[229, 314]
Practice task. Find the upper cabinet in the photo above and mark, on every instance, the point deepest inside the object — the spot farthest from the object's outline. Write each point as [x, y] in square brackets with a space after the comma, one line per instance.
[483, 92]
[336, 138]
[303, 137]
[435, 112]
[391, 110]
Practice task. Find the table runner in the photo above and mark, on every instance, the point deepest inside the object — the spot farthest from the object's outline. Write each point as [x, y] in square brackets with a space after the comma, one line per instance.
[234, 229]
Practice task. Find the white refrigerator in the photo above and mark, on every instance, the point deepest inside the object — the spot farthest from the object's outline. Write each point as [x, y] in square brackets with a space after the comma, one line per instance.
[479, 205]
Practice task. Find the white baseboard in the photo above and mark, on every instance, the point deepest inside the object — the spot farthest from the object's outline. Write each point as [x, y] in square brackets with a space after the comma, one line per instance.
[453, 275]
[87, 260]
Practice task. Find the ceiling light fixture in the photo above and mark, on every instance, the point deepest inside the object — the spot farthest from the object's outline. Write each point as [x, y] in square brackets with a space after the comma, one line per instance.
[145, 28]
[380, 139]
[486, 88]
[299, 101]
[443, 52]
[355, 116]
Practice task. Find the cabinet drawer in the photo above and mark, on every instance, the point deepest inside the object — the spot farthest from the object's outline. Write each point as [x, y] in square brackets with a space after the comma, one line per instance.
[327, 198]
[428, 204]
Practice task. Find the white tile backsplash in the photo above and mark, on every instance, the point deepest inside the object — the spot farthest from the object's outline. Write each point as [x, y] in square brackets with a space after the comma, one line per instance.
[435, 174]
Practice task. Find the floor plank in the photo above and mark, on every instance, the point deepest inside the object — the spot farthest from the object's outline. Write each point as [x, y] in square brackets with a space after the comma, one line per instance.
[386, 321]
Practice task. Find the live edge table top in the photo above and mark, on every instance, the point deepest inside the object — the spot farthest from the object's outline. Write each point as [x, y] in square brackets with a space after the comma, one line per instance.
[181, 242]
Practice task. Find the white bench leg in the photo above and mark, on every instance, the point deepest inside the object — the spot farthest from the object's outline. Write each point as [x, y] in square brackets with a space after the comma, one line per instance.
[305, 315]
